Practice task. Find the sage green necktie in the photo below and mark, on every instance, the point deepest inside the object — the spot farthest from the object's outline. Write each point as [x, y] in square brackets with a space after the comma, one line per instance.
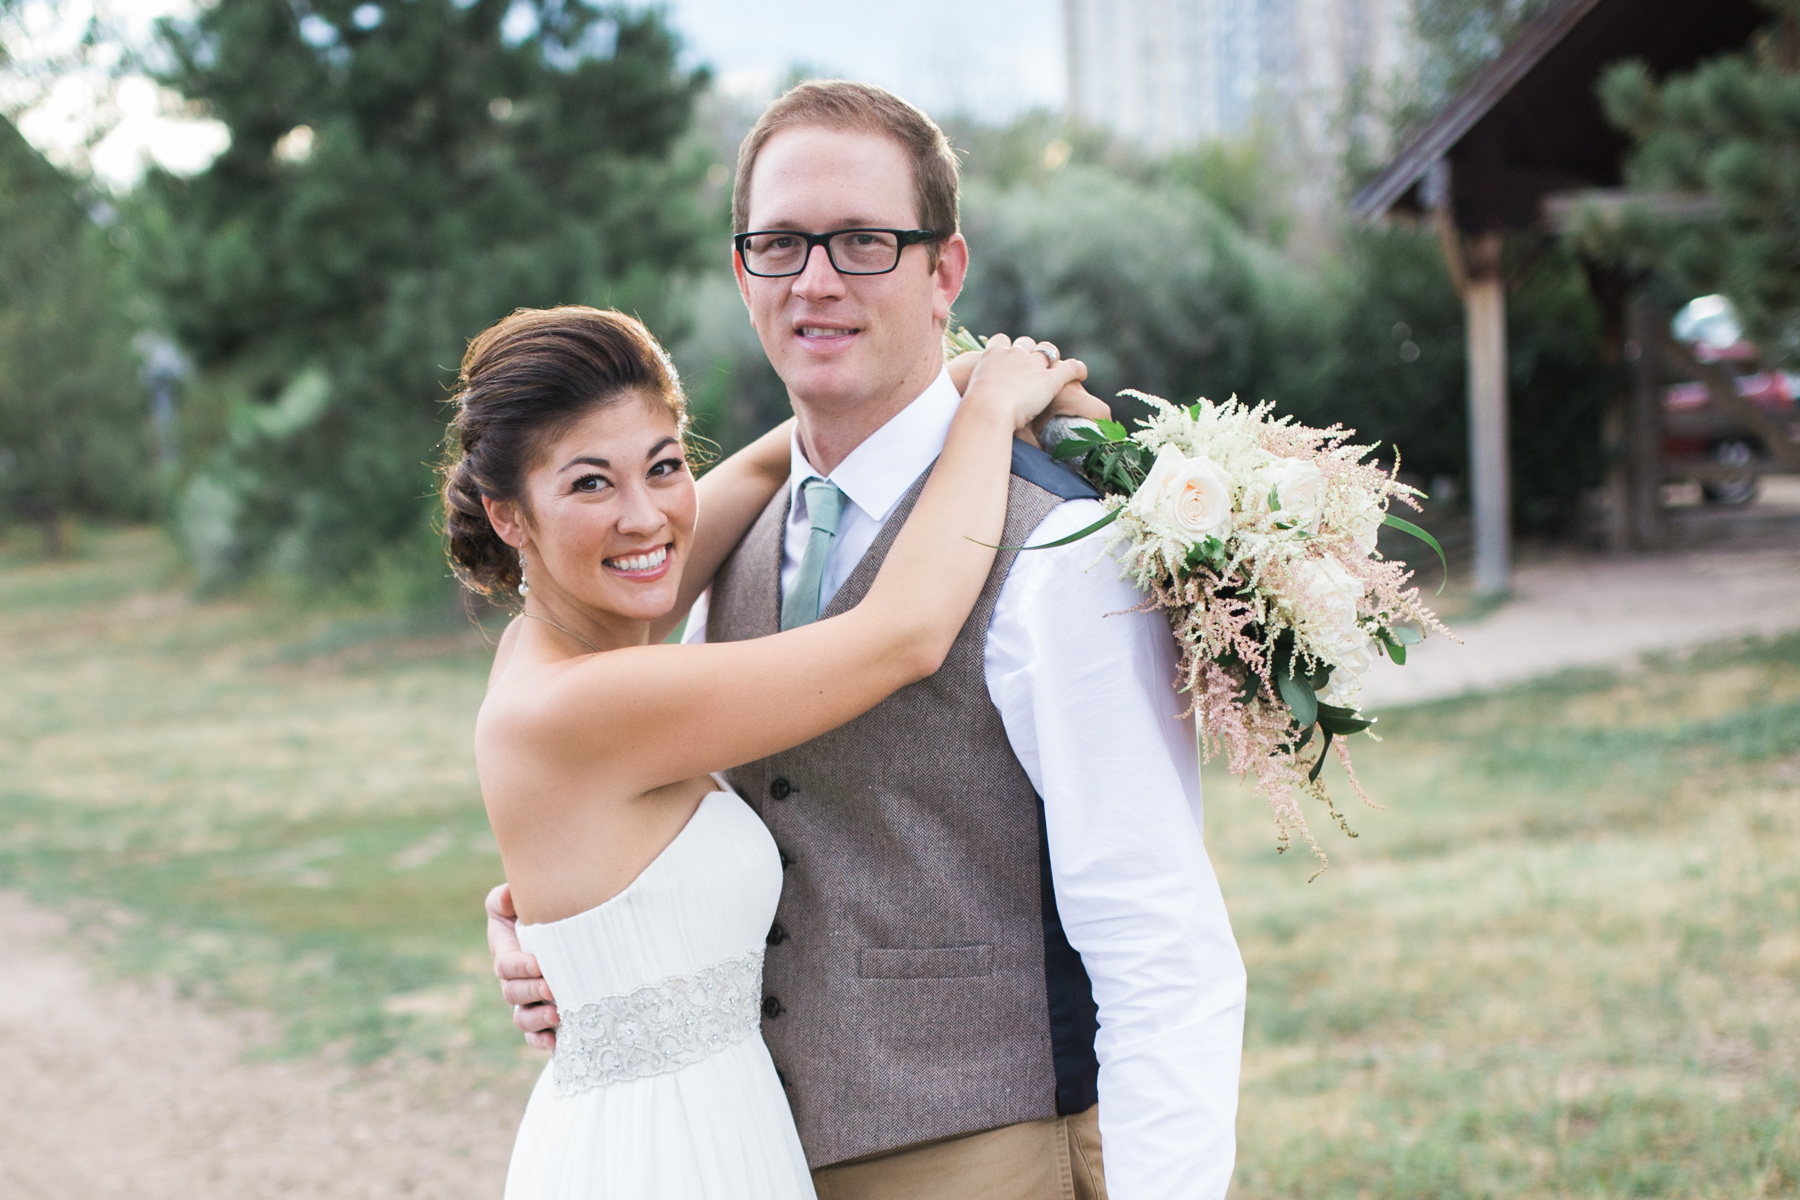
[824, 505]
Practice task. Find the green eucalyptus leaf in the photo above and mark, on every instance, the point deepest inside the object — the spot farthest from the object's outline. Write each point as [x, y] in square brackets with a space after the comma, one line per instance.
[1102, 523]
[1409, 527]
[1342, 720]
[1343, 725]
[1406, 635]
[1396, 649]
[1312, 776]
[1298, 695]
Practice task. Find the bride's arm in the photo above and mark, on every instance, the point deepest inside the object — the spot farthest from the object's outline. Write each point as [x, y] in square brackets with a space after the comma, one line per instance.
[732, 495]
[635, 719]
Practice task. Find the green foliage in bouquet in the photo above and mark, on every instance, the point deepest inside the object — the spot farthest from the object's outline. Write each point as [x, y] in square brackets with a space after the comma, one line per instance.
[399, 176]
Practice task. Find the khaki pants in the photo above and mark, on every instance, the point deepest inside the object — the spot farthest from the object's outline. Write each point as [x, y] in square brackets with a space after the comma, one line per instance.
[1057, 1158]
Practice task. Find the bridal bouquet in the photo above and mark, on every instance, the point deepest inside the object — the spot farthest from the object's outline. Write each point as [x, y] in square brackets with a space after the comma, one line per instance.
[1256, 535]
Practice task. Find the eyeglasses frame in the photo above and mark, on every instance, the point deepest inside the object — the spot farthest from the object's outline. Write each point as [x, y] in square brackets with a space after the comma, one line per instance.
[905, 237]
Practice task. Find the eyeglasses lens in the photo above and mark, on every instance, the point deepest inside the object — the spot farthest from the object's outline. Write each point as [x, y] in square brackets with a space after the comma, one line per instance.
[853, 252]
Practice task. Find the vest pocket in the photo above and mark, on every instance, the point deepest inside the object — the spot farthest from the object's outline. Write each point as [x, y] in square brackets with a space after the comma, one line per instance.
[936, 962]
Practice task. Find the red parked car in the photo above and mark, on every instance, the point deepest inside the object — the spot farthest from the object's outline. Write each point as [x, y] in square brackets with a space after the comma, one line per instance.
[1699, 440]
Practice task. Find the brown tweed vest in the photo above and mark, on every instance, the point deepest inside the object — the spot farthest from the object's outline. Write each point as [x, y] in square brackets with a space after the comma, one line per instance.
[905, 975]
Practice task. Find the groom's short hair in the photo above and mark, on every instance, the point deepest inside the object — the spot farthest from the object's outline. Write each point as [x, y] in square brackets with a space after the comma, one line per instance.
[862, 108]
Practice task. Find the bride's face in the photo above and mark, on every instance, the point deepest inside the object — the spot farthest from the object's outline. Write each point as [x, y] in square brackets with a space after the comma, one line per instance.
[612, 510]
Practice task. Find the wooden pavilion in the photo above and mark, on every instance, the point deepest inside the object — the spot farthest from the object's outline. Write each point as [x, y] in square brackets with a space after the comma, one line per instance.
[1507, 155]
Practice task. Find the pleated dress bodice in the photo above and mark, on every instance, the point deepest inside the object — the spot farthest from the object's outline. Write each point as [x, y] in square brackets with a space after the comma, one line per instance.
[660, 1087]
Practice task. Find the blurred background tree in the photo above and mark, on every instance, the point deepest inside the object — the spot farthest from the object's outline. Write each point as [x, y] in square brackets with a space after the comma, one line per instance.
[399, 176]
[1149, 283]
[1169, 275]
[73, 418]
[1728, 131]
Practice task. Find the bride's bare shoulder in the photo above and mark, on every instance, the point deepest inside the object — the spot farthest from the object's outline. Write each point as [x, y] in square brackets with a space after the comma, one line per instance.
[503, 653]
[535, 687]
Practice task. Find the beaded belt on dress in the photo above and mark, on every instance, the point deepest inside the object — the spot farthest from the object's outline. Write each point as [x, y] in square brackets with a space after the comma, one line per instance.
[660, 1027]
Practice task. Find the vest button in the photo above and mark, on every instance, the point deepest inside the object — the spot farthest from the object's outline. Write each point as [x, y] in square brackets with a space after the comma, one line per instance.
[772, 1007]
[780, 789]
[777, 934]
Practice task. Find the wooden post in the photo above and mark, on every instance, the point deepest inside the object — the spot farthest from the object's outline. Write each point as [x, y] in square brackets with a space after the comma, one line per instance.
[1484, 305]
[1644, 441]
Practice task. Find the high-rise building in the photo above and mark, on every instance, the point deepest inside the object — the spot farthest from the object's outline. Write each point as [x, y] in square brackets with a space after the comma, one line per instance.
[1171, 72]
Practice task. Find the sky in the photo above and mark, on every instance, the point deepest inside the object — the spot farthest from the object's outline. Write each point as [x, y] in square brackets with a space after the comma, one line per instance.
[989, 58]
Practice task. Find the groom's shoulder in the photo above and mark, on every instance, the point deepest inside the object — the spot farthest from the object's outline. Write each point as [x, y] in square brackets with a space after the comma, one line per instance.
[1035, 467]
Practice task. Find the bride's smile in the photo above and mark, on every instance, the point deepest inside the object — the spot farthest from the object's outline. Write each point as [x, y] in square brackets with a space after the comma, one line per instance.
[651, 564]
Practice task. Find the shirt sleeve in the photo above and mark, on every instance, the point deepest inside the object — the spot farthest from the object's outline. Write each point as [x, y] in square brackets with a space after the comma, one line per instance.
[1086, 690]
[694, 632]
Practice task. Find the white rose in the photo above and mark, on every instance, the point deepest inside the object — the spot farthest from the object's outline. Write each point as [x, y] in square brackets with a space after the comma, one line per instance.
[1299, 488]
[1328, 600]
[1346, 680]
[1187, 498]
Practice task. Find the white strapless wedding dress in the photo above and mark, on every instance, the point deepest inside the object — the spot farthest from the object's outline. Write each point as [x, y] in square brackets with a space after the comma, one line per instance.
[661, 1087]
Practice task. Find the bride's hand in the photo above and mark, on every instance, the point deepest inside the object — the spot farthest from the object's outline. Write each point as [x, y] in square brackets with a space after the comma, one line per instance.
[522, 984]
[1073, 401]
[1021, 377]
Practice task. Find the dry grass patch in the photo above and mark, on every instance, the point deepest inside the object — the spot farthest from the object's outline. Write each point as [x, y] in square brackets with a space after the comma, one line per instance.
[1561, 962]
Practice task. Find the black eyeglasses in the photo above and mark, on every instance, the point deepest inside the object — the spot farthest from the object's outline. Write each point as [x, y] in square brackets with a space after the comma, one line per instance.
[778, 252]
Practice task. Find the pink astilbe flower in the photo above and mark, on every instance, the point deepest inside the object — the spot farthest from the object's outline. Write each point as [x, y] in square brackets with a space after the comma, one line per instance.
[1300, 594]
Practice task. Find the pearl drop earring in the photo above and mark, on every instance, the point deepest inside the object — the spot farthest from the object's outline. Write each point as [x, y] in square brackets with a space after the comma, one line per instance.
[524, 588]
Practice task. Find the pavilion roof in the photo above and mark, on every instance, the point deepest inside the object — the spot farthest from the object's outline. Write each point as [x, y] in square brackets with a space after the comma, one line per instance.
[1530, 124]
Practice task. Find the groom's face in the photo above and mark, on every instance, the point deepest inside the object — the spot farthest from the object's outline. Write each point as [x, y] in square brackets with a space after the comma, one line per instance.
[843, 341]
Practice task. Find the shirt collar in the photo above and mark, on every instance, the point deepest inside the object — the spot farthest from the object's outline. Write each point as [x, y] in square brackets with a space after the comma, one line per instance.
[877, 473]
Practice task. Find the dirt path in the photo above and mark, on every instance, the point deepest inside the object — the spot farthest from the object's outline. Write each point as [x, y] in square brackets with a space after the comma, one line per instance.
[128, 1091]
[1576, 612]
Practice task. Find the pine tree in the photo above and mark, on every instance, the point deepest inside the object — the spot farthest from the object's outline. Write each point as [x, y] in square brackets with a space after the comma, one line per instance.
[400, 175]
[73, 418]
[1724, 141]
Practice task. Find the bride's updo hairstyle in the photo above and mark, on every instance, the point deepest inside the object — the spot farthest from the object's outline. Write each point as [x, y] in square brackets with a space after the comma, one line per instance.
[524, 382]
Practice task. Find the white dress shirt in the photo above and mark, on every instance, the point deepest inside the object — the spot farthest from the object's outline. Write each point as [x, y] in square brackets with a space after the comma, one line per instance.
[1085, 690]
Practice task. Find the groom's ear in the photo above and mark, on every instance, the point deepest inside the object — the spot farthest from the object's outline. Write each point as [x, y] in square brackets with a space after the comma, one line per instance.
[947, 277]
[507, 520]
[743, 279]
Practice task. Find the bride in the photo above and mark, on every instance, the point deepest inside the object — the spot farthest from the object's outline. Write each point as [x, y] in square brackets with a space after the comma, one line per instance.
[643, 884]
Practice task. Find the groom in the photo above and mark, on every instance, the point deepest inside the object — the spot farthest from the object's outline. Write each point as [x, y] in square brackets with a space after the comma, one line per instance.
[1000, 941]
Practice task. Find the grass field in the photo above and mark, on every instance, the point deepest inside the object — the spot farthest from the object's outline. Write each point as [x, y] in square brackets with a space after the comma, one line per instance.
[1564, 961]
